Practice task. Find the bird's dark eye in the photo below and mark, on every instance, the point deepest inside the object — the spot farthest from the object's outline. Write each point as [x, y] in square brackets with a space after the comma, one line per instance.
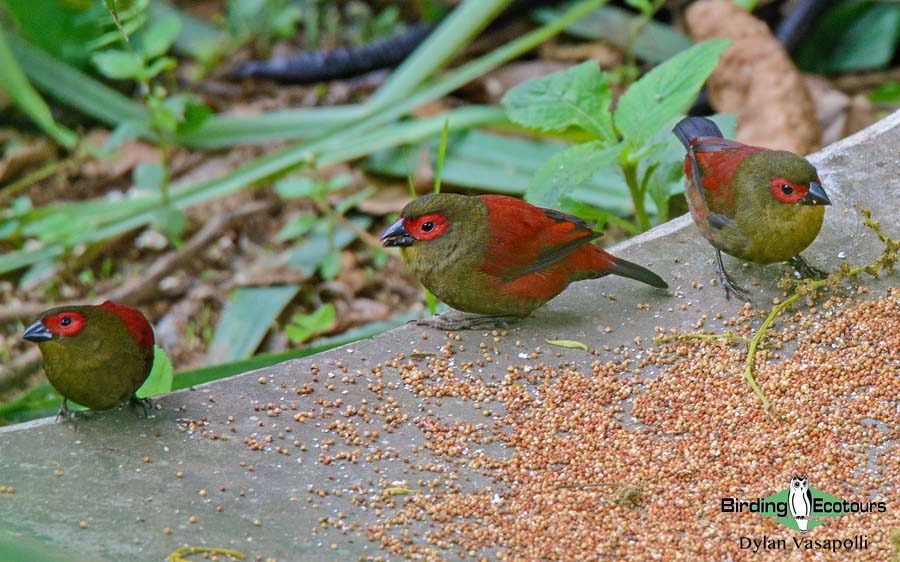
[65, 321]
[428, 226]
[786, 189]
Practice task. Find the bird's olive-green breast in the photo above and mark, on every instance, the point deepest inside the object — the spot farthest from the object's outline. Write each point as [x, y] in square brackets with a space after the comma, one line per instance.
[450, 264]
[774, 231]
[99, 367]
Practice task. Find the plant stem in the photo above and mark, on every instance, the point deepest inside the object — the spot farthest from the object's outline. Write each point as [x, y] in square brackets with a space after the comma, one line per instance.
[629, 170]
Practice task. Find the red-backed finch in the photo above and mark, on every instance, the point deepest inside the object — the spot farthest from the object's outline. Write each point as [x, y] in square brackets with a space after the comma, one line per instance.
[498, 256]
[755, 204]
[97, 356]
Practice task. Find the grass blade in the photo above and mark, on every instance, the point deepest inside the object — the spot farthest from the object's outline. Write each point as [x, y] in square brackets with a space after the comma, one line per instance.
[194, 377]
[248, 314]
[454, 32]
[17, 87]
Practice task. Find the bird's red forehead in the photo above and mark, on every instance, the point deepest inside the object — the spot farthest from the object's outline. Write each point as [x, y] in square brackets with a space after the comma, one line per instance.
[64, 323]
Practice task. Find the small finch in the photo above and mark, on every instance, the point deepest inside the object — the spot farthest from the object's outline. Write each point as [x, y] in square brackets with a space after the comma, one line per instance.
[97, 356]
[498, 256]
[755, 204]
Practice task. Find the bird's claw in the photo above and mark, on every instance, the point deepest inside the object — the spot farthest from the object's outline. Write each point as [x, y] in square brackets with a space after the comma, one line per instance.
[144, 403]
[804, 270]
[68, 415]
[731, 288]
[453, 320]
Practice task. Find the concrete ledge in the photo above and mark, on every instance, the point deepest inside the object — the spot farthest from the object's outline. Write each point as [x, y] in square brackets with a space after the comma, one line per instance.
[130, 479]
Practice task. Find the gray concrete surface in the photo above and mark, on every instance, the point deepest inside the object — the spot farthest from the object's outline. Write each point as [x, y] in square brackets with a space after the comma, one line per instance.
[117, 472]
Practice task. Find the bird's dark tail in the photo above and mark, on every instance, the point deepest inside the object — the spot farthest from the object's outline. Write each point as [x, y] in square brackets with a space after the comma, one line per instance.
[694, 128]
[634, 271]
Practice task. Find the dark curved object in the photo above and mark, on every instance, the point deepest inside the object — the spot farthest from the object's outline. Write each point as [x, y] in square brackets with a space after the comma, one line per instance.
[320, 66]
[798, 22]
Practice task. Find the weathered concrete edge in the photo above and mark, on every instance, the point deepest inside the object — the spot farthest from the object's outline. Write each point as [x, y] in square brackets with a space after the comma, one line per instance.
[671, 227]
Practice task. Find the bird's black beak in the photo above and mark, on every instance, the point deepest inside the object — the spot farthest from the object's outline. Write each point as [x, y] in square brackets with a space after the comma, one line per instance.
[37, 332]
[816, 195]
[396, 235]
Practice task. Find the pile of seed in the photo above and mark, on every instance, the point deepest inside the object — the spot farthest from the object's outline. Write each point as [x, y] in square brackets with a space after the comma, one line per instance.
[631, 460]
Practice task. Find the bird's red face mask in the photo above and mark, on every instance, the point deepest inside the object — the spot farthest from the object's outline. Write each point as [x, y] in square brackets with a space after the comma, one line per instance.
[405, 232]
[59, 325]
[791, 193]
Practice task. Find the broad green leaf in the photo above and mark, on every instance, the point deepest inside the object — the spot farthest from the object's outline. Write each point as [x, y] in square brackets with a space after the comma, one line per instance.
[161, 376]
[119, 65]
[248, 315]
[886, 93]
[330, 266]
[171, 222]
[309, 254]
[125, 131]
[577, 96]
[643, 6]
[665, 91]
[568, 169]
[161, 64]
[148, 175]
[297, 227]
[572, 344]
[746, 5]
[156, 38]
[14, 83]
[194, 115]
[305, 326]
[851, 35]
[869, 41]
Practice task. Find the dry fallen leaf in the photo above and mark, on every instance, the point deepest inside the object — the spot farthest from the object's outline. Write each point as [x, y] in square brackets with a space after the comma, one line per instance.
[571, 344]
[756, 80]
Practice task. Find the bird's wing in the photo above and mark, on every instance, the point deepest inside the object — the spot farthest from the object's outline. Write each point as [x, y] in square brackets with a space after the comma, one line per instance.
[526, 239]
[711, 162]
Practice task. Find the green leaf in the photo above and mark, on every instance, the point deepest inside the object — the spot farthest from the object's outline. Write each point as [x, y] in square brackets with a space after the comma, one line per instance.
[746, 5]
[161, 64]
[851, 35]
[119, 65]
[148, 175]
[297, 227]
[155, 39]
[194, 115]
[171, 222]
[248, 315]
[869, 41]
[125, 131]
[330, 266]
[655, 42]
[305, 326]
[14, 83]
[572, 344]
[161, 376]
[568, 169]
[886, 93]
[643, 6]
[299, 186]
[577, 96]
[308, 255]
[665, 91]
